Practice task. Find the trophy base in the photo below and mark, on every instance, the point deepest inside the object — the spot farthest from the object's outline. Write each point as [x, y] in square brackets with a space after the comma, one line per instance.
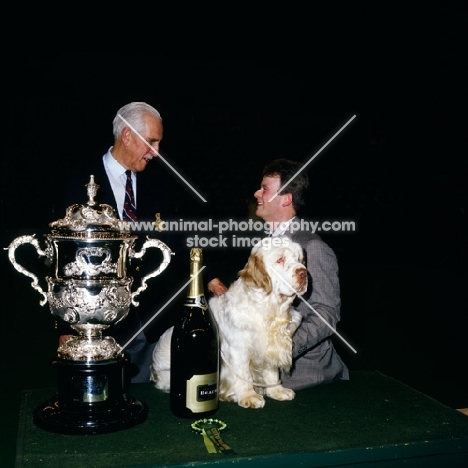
[91, 399]
[51, 417]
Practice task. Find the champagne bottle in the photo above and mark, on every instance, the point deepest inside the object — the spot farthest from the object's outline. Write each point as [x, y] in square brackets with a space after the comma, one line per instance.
[195, 352]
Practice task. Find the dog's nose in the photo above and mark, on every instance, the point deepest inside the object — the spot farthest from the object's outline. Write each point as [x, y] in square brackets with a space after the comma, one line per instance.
[302, 273]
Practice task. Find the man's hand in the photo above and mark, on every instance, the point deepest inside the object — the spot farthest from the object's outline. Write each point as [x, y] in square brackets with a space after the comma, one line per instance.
[296, 319]
[217, 287]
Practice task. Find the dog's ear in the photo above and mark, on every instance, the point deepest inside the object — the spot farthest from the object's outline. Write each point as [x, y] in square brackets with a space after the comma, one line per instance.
[255, 273]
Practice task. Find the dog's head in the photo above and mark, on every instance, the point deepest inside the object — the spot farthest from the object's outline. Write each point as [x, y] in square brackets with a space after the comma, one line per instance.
[276, 264]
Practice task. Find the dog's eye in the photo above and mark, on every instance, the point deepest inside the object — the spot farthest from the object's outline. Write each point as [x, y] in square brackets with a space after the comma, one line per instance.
[280, 260]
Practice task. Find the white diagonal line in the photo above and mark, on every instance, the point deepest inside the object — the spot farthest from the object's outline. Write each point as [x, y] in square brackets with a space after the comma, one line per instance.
[310, 160]
[318, 315]
[328, 325]
[146, 143]
[160, 310]
[179, 175]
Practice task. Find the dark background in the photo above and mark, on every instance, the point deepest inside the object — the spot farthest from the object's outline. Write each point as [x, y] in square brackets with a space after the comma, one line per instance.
[398, 170]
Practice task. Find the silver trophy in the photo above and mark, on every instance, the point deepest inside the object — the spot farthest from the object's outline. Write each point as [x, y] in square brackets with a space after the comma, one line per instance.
[90, 250]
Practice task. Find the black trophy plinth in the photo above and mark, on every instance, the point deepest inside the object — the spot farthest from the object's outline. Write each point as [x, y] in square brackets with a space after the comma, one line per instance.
[91, 399]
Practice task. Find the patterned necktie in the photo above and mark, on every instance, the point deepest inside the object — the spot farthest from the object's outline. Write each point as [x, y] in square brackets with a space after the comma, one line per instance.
[129, 209]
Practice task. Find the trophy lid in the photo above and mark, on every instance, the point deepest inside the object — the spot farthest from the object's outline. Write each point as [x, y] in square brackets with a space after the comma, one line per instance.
[91, 219]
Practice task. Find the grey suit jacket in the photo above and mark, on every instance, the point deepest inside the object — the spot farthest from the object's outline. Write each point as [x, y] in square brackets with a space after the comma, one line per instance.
[315, 360]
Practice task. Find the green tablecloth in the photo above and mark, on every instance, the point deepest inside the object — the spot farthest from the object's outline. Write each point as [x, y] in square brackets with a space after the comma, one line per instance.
[370, 418]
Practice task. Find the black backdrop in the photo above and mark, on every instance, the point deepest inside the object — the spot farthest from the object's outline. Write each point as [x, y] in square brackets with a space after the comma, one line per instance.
[397, 171]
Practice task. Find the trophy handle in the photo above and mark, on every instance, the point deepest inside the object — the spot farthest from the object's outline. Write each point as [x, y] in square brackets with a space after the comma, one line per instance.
[42, 253]
[166, 251]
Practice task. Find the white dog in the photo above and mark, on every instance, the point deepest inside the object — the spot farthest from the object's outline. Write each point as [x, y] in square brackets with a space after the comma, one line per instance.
[256, 322]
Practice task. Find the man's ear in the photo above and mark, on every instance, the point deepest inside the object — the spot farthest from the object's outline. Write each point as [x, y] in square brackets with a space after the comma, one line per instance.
[126, 136]
[287, 199]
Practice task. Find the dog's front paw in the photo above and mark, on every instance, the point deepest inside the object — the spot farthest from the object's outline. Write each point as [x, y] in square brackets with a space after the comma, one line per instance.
[280, 393]
[252, 401]
[296, 319]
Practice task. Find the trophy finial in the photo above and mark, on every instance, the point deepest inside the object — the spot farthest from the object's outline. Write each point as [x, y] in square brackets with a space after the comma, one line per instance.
[92, 189]
[158, 222]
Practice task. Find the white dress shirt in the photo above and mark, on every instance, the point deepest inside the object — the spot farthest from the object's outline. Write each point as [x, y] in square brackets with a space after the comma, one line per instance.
[282, 228]
[118, 179]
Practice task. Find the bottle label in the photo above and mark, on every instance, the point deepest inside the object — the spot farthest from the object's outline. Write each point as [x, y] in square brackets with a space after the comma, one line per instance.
[198, 301]
[202, 393]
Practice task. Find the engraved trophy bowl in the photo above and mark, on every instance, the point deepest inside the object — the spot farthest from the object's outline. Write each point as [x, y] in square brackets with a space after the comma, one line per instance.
[89, 252]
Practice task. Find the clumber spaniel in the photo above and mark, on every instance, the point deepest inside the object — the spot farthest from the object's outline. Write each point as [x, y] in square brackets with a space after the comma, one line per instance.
[256, 322]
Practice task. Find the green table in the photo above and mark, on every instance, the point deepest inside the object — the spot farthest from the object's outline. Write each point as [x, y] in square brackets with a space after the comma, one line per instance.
[369, 420]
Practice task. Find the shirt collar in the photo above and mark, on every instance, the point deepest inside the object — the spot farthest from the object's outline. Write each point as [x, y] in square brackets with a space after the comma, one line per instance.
[114, 167]
[282, 228]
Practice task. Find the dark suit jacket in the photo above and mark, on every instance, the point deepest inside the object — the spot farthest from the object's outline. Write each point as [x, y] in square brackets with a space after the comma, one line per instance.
[315, 359]
[154, 190]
